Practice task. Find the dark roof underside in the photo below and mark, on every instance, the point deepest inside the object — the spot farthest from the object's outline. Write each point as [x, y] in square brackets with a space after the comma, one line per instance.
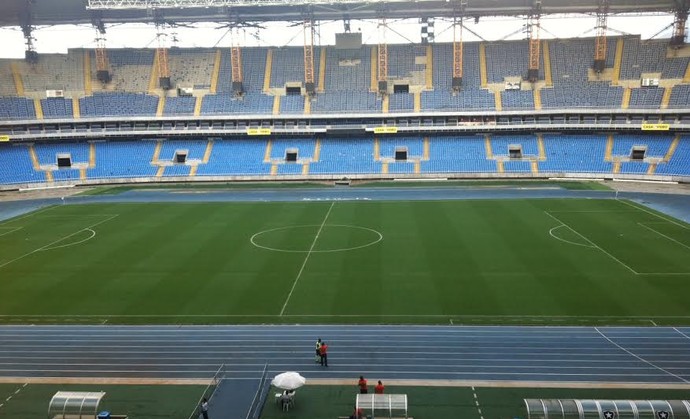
[55, 12]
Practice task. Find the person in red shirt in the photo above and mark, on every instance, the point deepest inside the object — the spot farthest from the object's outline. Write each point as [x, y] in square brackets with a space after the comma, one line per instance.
[362, 385]
[324, 354]
[379, 388]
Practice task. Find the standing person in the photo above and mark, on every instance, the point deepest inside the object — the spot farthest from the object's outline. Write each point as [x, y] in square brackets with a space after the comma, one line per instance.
[204, 408]
[318, 351]
[379, 388]
[324, 354]
[362, 383]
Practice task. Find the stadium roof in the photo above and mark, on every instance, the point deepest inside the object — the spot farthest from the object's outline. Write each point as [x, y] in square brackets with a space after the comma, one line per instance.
[55, 12]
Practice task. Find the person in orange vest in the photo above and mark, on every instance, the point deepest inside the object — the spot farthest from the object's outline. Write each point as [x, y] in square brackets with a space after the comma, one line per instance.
[362, 385]
[324, 354]
[379, 388]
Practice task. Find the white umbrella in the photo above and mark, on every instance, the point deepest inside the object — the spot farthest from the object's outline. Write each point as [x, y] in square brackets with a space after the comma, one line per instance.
[289, 380]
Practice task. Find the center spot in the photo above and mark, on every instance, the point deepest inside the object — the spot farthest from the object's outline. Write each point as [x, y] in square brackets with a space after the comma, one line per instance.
[301, 238]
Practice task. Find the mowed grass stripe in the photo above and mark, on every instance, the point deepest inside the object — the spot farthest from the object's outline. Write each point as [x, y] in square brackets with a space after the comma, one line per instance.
[471, 259]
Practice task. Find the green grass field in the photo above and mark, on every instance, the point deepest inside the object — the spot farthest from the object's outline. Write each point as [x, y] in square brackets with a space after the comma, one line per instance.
[451, 402]
[136, 401]
[466, 262]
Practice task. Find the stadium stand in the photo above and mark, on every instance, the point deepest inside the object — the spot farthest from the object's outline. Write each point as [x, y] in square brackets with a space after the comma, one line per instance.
[7, 87]
[342, 156]
[650, 56]
[118, 104]
[57, 108]
[646, 98]
[249, 103]
[16, 108]
[508, 59]
[179, 105]
[191, 68]
[54, 72]
[131, 69]
[253, 69]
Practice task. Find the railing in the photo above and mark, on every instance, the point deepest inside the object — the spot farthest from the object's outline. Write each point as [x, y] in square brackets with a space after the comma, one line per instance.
[259, 397]
[209, 391]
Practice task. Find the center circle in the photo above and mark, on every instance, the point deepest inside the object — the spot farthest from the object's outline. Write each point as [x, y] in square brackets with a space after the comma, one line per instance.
[303, 238]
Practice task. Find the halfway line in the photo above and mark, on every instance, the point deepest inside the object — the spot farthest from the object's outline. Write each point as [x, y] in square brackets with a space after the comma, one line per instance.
[311, 249]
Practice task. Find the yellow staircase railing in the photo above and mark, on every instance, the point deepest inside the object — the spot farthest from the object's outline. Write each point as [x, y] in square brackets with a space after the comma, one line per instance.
[384, 168]
[34, 158]
[374, 58]
[672, 149]
[197, 105]
[88, 87]
[427, 149]
[541, 147]
[317, 150]
[686, 76]
[548, 78]
[616, 166]
[651, 169]
[536, 93]
[49, 176]
[157, 152]
[322, 71]
[207, 152]
[276, 105]
[305, 169]
[161, 106]
[267, 153]
[487, 147]
[417, 101]
[307, 105]
[615, 79]
[92, 155]
[666, 99]
[76, 111]
[429, 70]
[38, 108]
[267, 71]
[377, 149]
[153, 79]
[160, 171]
[274, 169]
[534, 166]
[627, 94]
[609, 148]
[499, 166]
[216, 72]
[385, 103]
[82, 174]
[498, 101]
[417, 167]
[17, 76]
[193, 170]
[482, 65]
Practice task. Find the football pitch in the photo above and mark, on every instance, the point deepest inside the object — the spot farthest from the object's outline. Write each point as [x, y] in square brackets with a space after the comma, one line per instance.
[531, 261]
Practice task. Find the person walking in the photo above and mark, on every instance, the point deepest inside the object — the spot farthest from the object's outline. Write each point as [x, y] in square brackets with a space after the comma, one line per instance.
[318, 351]
[324, 354]
[362, 383]
[379, 388]
[204, 408]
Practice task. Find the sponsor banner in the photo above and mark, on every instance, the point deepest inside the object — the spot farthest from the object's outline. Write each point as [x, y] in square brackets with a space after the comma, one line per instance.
[385, 130]
[258, 131]
[656, 127]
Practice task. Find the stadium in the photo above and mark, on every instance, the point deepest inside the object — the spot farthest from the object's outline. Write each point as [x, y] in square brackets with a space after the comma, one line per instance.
[491, 226]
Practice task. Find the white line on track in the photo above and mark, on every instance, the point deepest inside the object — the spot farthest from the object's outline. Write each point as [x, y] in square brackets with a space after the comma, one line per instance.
[12, 230]
[676, 329]
[593, 244]
[640, 358]
[31, 214]
[299, 274]
[48, 246]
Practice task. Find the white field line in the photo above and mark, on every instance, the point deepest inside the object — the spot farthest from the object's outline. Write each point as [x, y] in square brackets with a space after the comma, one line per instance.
[640, 358]
[476, 402]
[93, 234]
[640, 208]
[593, 244]
[299, 274]
[12, 230]
[13, 394]
[665, 236]
[56, 241]
[567, 241]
